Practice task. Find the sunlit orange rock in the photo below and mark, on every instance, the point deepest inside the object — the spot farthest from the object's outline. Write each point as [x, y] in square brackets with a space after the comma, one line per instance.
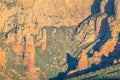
[33, 15]
[118, 60]
[83, 62]
[96, 57]
[19, 36]
[42, 13]
[96, 54]
[107, 48]
[97, 60]
[18, 48]
[27, 3]
[10, 38]
[32, 73]
[71, 72]
[29, 54]
[2, 57]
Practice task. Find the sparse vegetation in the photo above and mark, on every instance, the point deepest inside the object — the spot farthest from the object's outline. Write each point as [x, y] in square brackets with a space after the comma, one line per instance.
[108, 73]
[1, 77]
[58, 44]
[2, 39]
[9, 73]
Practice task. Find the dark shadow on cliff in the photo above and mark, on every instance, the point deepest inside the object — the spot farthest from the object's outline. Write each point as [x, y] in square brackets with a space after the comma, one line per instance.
[110, 8]
[71, 62]
[95, 12]
[119, 37]
[104, 34]
[95, 8]
[105, 62]
[108, 61]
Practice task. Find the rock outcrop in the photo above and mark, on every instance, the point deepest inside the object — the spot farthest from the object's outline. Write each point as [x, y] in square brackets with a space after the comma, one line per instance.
[30, 13]
[42, 37]
[83, 62]
[41, 32]
[2, 58]
[88, 30]
[29, 54]
[106, 50]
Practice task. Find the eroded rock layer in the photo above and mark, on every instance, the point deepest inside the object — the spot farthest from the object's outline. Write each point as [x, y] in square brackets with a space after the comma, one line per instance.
[43, 39]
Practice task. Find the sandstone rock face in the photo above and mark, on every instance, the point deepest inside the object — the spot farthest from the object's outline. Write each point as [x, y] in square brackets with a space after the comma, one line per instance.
[32, 74]
[45, 28]
[88, 30]
[55, 13]
[107, 48]
[96, 54]
[18, 48]
[11, 38]
[83, 62]
[29, 53]
[42, 36]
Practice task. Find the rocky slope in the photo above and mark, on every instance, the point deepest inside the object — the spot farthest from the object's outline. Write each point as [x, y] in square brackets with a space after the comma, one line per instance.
[43, 39]
[106, 51]
[39, 13]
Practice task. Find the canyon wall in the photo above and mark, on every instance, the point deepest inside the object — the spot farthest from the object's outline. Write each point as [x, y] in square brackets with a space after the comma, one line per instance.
[41, 32]
[39, 13]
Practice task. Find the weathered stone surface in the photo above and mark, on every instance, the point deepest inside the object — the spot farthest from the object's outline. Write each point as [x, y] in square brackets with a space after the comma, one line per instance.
[55, 13]
[18, 48]
[83, 62]
[29, 53]
[107, 48]
[43, 38]
[24, 21]
[10, 38]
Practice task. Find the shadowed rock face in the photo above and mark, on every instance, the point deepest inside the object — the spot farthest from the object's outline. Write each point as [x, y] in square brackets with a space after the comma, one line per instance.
[106, 49]
[38, 34]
